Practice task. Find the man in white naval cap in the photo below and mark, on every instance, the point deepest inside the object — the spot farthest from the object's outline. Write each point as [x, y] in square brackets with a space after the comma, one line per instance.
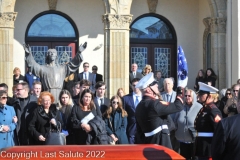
[151, 114]
[206, 120]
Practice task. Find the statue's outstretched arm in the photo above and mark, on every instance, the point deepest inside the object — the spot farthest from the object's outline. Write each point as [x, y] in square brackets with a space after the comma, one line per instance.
[81, 48]
[27, 49]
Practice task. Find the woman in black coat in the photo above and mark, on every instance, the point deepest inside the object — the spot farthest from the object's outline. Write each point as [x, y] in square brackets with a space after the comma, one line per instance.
[80, 126]
[210, 77]
[44, 115]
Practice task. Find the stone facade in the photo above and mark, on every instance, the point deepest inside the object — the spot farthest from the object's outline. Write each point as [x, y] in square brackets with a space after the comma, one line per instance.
[117, 18]
[7, 18]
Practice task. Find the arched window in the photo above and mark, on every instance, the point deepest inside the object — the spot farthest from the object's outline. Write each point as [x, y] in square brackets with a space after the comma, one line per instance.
[52, 29]
[153, 41]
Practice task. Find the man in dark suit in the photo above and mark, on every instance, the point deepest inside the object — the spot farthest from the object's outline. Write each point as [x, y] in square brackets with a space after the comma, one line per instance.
[24, 106]
[87, 75]
[130, 103]
[226, 139]
[100, 100]
[97, 77]
[134, 74]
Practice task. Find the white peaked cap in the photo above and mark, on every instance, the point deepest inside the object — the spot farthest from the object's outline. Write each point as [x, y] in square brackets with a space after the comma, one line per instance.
[145, 81]
[207, 88]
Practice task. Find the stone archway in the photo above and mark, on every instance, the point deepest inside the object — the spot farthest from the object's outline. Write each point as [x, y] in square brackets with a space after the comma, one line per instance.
[7, 18]
[216, 25]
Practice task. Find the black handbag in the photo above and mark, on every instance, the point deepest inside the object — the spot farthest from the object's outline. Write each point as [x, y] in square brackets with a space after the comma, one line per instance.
[55, 137]
[193, 133]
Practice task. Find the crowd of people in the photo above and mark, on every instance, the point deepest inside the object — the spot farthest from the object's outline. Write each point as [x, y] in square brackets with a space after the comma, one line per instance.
[155, 111]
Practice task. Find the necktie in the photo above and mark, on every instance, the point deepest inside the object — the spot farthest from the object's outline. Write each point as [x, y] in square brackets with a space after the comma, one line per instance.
[134, 75]
[85, 76]
[136, 101]
[101, 103]
[168, 97]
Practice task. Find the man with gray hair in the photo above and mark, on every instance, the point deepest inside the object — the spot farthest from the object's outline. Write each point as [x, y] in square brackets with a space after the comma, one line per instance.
[169, 95]
[152, 113]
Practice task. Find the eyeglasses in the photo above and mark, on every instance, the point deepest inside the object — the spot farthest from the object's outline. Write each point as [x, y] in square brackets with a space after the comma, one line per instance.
[3, 97]
[187, 95]
[235, 90]
[85, 66]
[19, 89]
[153, 83]
[114, 102]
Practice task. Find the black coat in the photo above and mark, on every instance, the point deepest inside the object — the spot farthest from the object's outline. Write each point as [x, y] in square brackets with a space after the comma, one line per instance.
[199, 79]
[211, 79]
[40, 123]
[99, 77]
[206, 121]
[98, 135]
[226, 139]
[150, 114]
[80, 135]
[16, 81]
[24, 115]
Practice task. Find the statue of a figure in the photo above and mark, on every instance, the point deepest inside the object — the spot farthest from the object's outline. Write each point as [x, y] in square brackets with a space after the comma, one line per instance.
[120, 6]
[52, 74]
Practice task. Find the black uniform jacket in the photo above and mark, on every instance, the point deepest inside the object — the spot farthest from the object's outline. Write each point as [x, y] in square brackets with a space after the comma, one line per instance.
[150, 114]
[226, 139]
[206, 122]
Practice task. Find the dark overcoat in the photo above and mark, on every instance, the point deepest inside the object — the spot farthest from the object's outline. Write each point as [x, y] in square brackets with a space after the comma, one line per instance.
[40, 123]
[117, 125]
[226, 139]
[24, 114]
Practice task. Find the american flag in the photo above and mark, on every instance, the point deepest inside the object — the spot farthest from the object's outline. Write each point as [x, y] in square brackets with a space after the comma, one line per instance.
[182, 68]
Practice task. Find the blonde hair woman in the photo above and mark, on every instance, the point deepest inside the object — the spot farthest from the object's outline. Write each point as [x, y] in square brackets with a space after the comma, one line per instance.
[17, 77]
[147, 69]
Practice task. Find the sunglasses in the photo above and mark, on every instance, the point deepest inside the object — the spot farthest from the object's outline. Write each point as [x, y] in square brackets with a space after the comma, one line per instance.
[187, 95]
[94, 69]
[86, 66]
[228, 93]
[114, 102]
[235, 90]
[3, 97]
[153, 83]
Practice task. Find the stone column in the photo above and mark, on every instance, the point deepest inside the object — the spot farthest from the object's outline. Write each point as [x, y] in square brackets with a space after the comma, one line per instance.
[7, 18]
[117, 19]
[233, 41]
[218, 51]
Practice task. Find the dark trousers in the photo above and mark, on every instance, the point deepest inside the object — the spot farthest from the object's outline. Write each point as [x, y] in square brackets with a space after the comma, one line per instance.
[174, 141]
[187, 150]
